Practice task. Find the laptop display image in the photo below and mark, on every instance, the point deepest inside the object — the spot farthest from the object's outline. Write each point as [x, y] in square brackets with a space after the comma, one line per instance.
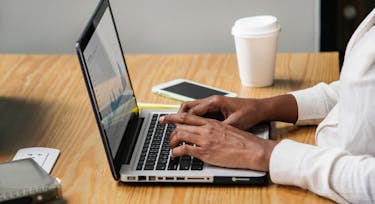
[136, 145]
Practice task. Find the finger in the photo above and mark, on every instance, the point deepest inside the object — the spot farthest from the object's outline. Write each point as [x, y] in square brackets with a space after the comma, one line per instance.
[183, 118]
[232, 120]
[185, 149]
[203, 104]
[184, 133]
[199, 109]
[185, 107]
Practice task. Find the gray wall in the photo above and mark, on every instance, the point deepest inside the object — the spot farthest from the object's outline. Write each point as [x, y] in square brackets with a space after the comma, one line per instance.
[153, 26]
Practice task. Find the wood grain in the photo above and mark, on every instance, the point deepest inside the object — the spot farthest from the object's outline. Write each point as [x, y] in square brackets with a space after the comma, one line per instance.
[43, 102]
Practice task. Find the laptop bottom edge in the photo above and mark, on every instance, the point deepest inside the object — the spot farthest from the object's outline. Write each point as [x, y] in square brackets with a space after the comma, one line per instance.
[220, 180]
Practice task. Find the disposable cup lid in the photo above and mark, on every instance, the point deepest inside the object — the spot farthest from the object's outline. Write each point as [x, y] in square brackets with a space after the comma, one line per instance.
[256, 25]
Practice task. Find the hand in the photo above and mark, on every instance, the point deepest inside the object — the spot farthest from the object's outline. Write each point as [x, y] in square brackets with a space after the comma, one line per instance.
[244, 113]
[217, 143]
[238, 112]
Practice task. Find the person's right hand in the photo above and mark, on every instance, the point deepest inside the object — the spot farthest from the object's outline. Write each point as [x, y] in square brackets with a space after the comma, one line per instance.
[238, 112]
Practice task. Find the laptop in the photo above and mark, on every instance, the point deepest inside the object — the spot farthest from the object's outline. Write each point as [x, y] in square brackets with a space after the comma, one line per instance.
[136, 145]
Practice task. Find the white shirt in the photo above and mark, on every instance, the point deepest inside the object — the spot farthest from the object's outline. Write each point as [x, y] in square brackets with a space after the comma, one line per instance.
[342, 165]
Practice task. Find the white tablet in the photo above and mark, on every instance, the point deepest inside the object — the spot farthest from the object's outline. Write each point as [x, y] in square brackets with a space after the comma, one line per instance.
[185, 90]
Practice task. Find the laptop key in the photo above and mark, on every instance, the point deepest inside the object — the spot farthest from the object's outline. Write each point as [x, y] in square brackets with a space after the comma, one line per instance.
[156, 142]
[185, 163]
[186, 157]
[172, 166]
[163, 157]
[154, 146]
[150, 163]
[150, 160]
[149, 167]
[153, 153]
[162, 161]
[196, 164]
[160, 167]
[196, 167]
[139, 166]
[173, 163]
[196, 161]
[165, 151]
[154, 150]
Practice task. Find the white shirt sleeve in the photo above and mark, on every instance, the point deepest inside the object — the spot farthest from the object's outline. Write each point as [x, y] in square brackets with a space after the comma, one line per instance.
[316, 102]
[344, 169]
[329, 172]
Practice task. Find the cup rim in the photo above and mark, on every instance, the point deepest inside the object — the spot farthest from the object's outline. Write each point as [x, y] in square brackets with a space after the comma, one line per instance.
[256, 26]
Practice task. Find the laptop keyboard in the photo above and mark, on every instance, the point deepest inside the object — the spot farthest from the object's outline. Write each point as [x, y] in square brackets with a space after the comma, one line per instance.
[155, 153]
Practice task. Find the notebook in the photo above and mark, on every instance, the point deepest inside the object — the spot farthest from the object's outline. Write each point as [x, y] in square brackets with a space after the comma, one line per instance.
[24, 181]
[136, 145]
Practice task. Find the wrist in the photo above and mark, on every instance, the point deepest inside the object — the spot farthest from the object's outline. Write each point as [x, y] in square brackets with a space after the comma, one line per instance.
[259, 158]
[266, 109]
[268, 149]
[280, 108]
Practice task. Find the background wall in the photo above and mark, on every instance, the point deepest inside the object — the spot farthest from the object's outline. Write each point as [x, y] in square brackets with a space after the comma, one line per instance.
[153, 26]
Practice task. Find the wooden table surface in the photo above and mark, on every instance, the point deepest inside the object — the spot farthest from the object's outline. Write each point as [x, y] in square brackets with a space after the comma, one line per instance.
[43, 102]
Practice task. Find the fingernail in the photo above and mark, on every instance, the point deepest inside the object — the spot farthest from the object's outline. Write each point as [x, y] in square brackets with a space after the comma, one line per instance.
[162, 118]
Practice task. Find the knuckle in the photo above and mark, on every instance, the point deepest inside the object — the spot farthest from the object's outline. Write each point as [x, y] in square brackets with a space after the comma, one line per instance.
[205, 143]
[172, 144]
[179, 136]
[175, 152]
[184, 116]
[176, 129]
[215, 99]
[184, 106]
[209, 143]
[167, 117]
[173, 138]
[210, 130]
[184, 149]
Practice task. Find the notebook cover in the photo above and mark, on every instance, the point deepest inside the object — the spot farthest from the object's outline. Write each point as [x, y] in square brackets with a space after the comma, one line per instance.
[26, 179]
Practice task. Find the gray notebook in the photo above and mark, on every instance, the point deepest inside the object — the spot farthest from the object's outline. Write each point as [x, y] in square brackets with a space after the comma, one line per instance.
[24, 181]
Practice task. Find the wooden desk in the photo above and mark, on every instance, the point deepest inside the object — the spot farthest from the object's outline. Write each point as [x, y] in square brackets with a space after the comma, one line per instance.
[43, 102]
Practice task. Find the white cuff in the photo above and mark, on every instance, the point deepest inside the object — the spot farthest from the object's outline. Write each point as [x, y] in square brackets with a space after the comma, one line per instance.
[311, 105]
[285, 163]
[305, 166]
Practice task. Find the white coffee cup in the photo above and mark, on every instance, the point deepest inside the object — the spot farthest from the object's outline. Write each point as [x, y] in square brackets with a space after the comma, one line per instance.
[256, 46]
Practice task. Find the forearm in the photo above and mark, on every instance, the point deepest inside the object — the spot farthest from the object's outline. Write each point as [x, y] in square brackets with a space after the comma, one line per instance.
[279, 108]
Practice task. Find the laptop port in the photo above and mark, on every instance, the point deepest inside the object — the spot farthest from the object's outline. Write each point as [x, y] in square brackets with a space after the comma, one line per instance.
[180, 178]
[195, 178]
[131, 178]
[169, 178]
[151, 178]
[160, 178]
[141, 178]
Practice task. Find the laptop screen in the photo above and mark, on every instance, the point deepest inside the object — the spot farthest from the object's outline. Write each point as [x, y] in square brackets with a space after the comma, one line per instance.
[109, 78]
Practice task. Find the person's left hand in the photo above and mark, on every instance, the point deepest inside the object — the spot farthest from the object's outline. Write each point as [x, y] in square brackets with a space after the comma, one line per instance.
[217, 143]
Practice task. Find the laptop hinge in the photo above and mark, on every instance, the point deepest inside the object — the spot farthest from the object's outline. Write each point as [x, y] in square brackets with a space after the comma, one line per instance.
[127, 145]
